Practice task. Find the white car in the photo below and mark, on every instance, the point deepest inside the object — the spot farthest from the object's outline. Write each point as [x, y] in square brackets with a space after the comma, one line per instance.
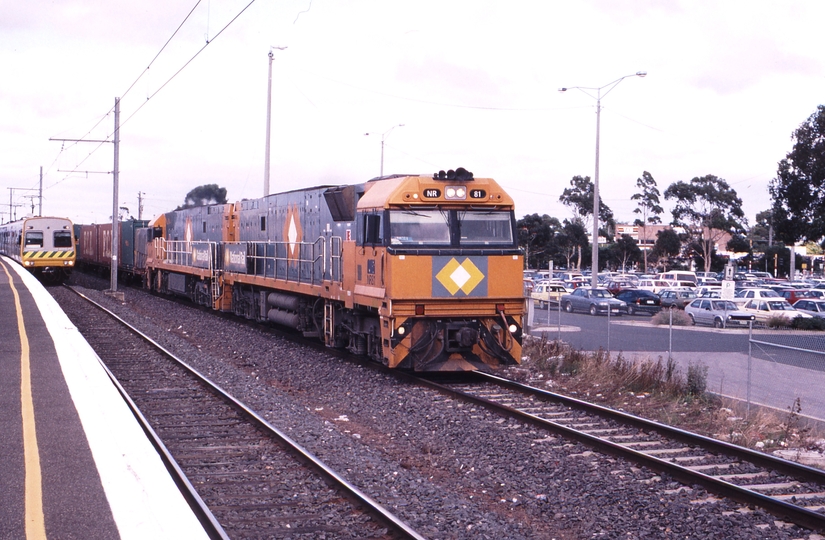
[767, 308]
[548, 292]
[742, 296]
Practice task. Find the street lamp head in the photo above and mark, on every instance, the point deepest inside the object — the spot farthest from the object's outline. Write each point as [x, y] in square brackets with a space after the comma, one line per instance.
[641, 73]
[562, 89]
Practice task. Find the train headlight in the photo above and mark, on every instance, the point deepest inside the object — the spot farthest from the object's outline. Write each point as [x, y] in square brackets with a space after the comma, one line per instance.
[455, 193]
[401, 330]
[513, 328]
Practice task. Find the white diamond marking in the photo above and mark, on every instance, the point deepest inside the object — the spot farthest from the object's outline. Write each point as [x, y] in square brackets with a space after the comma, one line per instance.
[460, 276]
[292, 234]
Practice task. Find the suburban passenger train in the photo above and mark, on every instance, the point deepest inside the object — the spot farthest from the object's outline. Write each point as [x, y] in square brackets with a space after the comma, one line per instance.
[43, 245]
[418, 272]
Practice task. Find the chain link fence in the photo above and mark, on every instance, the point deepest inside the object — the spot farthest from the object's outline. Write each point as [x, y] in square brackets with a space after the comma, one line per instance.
[779, 368]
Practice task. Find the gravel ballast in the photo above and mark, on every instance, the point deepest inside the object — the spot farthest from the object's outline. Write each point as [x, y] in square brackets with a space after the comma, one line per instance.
[449, 469]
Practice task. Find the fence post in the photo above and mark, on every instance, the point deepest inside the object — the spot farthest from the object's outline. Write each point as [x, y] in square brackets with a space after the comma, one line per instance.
[750, 347]
[670, 336]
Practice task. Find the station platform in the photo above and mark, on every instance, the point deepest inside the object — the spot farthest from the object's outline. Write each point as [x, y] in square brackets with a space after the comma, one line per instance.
[75, 462]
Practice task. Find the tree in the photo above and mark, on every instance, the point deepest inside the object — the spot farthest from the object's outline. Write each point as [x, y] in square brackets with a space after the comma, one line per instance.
[798, 191]
[648, 206]
[536, 235]
[579, 197]
[205, 194]
[572, 239]
[707, 207]
[668, 244]
[624, 251]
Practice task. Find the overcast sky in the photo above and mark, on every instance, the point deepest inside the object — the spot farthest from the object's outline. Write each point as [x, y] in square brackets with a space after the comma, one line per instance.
[475, 84]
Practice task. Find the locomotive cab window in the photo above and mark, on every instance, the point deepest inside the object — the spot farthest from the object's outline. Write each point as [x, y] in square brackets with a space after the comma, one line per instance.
[420, 227]
[62, 239]
[34, 238]
[485, 227]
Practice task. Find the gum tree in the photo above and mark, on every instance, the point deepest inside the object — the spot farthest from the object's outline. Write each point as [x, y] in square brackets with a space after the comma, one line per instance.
[707, 207]
[648, 206]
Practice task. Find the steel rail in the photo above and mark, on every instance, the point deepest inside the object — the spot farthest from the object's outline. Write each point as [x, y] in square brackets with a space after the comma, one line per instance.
[797, 514]
[384, 514]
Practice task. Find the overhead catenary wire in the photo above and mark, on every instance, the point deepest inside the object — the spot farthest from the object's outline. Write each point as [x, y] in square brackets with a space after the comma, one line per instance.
[109, 136]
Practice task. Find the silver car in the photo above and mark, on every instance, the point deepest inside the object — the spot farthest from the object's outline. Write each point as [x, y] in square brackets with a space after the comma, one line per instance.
[811, 306]
[594, 301]
[718, 313]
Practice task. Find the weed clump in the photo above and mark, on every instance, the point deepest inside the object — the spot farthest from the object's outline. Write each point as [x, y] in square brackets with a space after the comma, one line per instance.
[680, 318]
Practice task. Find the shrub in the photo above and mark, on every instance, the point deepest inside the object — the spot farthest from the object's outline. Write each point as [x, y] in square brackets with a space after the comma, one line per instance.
[697, 379]
[814, 323]
[680, 318]
[777, 321]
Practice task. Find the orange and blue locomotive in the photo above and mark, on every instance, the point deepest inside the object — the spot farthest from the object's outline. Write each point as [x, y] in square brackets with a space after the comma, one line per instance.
[43, 245]
[418, 272]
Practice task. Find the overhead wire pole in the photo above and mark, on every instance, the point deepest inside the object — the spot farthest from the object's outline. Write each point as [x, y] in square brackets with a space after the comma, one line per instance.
[594, 282]
[115, 196]
[269, 120]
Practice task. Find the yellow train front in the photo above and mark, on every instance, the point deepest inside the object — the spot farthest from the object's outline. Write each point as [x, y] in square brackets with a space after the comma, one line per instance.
[43, 245]
[439, 257]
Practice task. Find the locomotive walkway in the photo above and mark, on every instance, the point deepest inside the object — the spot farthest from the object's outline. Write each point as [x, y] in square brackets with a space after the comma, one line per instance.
[76, 464]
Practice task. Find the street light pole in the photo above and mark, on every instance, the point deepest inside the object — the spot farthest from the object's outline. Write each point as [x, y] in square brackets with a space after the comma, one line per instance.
[384, 137]
[610, 86]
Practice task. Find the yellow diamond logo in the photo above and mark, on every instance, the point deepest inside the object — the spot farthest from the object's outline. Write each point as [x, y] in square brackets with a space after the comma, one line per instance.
[457, 276]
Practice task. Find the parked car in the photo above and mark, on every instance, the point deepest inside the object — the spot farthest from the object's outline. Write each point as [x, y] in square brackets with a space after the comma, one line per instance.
[547, 292]
[765, 309]
[678, 298]
[811, 306]
[640, 301]
[719, 313]
[792, 295]
[595, 301]
[742, 296]
[653, 285]
[615, 286]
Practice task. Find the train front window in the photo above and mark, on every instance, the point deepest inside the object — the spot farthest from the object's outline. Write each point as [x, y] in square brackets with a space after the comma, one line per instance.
[419, 227]
[62, 239]
[485, 228]
[34, 238]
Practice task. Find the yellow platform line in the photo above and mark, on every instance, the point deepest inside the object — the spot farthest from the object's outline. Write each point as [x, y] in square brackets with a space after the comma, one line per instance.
[35, 522]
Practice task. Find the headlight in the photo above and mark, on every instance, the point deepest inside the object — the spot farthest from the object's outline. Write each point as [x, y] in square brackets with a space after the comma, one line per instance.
[513, 328]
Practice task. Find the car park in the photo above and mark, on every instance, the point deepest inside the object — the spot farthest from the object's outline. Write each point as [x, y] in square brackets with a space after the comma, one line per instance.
[718, 313]
[812, 306]
[594, 301]
[548, 292]
[640, 301]
[767, 308]
[677, 298]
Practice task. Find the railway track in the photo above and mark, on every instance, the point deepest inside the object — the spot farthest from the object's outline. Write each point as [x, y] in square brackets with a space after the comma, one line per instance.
[243, 477]
[789, 490]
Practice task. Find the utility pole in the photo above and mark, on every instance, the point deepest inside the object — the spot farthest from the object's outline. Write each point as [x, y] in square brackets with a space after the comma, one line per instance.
[115, 196]
[140, 204]
[40, 211]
